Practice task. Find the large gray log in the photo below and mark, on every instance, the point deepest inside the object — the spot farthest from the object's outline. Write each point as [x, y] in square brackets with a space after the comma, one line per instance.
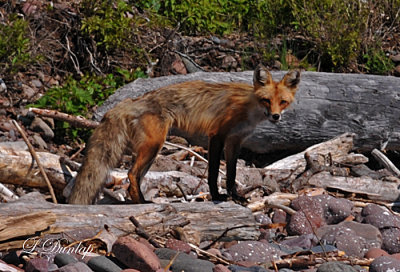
[327, 105]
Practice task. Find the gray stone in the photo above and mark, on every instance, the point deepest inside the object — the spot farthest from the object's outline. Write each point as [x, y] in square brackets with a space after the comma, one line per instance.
[62, 259]
[335, 267]
[76, 267]
[41, 126]
[184, 262]
[236, 268]
[103, 264]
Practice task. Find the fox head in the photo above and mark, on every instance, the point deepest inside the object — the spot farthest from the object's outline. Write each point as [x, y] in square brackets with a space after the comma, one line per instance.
[275, 96]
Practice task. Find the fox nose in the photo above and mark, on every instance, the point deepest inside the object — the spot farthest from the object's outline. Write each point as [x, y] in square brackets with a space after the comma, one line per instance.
[276, 117]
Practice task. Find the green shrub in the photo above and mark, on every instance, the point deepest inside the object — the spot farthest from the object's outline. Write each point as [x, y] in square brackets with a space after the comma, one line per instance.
[79, 97]
[14, 45]
[335, 27]
[375, 61]
[109, 23]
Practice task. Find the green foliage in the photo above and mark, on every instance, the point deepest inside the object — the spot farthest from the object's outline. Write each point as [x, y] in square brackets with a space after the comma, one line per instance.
[109, 23]
[14, 45]
[334, 26]
[263, 17]
[79, 97]
[376, 62]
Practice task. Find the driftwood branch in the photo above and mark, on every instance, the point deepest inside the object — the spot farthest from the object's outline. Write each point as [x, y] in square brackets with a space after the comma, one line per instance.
[202, 221]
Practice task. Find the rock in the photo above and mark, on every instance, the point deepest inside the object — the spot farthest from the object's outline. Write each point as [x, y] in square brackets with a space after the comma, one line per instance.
[305, 241]
[178, 245]
[367, 235]
[37, 83]
[351, 237]
[395, 58]
[178, 66]
[76, 267]
[62, 259]
[310, 211]
[263, 219]
[374, 253]
[335, 267]
[39, 142]
[236, 268]
[397, 71]
[279, 216]
[27, 91]
[130, 270]
[390, 240]
[379, 217]
[384, 264]
[103, 264]
[229, 62]
[37, 265]
[135, 254]
[184, 262]
[252, 251]
[221, 268]
[39, 125]
[335, 209]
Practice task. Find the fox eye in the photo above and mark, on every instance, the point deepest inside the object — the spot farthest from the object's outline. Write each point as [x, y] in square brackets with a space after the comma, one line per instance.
[266, 100]
[284, 102]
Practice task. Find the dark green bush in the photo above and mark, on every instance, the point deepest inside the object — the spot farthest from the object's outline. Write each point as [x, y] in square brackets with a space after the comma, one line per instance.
[14, 45]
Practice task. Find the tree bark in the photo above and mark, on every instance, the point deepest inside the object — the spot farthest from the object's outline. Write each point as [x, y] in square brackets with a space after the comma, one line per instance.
[327, 105]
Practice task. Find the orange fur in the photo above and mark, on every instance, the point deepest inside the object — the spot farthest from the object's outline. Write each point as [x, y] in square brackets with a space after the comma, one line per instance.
[226, 112]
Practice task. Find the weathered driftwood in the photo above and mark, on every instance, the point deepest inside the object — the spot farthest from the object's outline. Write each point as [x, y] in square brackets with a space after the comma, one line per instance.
[327, 105]
[202, 220]
[375, 189]
[16, 167]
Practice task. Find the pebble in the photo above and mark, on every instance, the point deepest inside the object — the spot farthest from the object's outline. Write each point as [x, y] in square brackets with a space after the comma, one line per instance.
[37, 265]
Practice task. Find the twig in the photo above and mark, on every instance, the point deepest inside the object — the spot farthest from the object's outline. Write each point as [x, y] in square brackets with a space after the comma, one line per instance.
[224, 233]
[76, 121]
[34, 155]
[141, 232]
[202, 251]
[189, 59]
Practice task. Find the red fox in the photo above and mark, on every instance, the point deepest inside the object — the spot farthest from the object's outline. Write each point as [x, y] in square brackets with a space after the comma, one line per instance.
[226, 112]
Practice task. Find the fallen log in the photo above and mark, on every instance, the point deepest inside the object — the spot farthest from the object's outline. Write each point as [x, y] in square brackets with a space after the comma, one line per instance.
[327, 105]
[200, 221]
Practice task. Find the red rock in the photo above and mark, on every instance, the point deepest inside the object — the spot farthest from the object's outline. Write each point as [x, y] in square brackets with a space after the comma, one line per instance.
[130, 270]
[396, 256]
[135, 254]
[37, 265]
[220, 268]
[375, 253]
[178, 245]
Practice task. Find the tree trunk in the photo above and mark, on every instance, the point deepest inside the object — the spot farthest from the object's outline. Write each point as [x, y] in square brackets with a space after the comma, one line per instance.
[327, 105]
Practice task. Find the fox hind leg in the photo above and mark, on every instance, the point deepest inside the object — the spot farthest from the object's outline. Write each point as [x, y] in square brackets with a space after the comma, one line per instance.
[151, 139]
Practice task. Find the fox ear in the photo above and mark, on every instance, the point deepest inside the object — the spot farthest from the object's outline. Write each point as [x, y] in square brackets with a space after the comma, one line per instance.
[261, 76]
[291, 79]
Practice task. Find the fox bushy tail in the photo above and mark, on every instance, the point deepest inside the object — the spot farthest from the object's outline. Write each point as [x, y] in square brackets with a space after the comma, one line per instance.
[105, 149]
